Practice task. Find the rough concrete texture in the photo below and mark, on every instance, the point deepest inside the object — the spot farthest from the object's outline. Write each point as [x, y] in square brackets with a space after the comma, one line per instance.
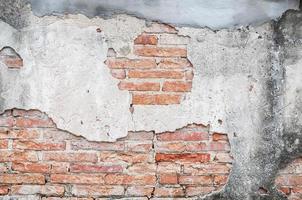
[247, 83]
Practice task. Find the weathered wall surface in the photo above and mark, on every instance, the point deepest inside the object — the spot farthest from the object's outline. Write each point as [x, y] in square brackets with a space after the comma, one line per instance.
[102, 78]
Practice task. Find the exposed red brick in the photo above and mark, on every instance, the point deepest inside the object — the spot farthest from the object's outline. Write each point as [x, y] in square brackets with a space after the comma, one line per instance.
[95, 168]
[18, 156]
[195, 180]
[218, 146]
[189, 75]
[77, 178]
[101, 146]
[3, 144]
[149, 51]
[155, 99]
[22, 178]
[59, 167]
[38, 145]
[123, 179]
[219, 136]
[142, 168]
[128, 157]
[177, 86]
[198, 190]
[155, 74]
[139, 146]
[20, 134]
[139, 191]
[170, 147]
[145, 39]
[179, 63]
[97, 190]
[3, 190]
[183, 136]
[118, 73]
[139, 86]
[208, 168]
[33, 122]
[168, 192]
[70, 157]
[190, 157]
[169, 179]
[48, 190]
[220, 179]
[223, 157]
[122, 63]
[13, 62]
[289, 180]
[31, 167]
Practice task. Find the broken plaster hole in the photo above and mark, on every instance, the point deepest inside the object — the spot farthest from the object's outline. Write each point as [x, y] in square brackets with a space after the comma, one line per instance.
[10, 58]
[158, 72]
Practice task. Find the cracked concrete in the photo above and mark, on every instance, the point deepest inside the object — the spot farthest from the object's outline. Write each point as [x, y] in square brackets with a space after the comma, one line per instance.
[247, 83]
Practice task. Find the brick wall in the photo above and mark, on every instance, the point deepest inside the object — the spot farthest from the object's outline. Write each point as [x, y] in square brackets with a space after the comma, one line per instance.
[289, 180]
[39, 161]
[158, 72]
[10, 58]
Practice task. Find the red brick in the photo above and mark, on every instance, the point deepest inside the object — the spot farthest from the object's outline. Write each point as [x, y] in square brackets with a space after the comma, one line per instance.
[139, 86]
[198, 190]
[218, 146]
[178, 63]
[146, 39]
[285, 190]
[297, 190]
[118, 73]
[149, 51]
[101, 146]
[47, 190]
[18, 156]
[195, 180]
[66, 198]
[142, 168]
[123, 179]
[155, 99]
[3, 144]
[168, 179]
[4, 167]
[139, 146]
[124, 63]
[96, 190]
[22, 178]
[139, 191]
[70, 157]
[177, 86]
[139, 136]
[160, 28]
[38, 145]
[186, 157]
[223, 158]
[208, 168]
[170, 147]
[289, 180]
[77, 178]
[128, 157]
[196, 147]
[219, 136]
[168, 167]
[220, 179]
[31, 167]
[182, 136]
[169, 192]
[155, 74]
[86, 168]
[189, 75]
[6, 121]
[3, 190]
[59, 167]
[12, 62]
[20, 134]
[33, 122]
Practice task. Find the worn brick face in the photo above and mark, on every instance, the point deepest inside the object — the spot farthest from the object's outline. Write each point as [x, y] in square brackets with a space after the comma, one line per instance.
[289, 180]
[56, 165]
[157, 67]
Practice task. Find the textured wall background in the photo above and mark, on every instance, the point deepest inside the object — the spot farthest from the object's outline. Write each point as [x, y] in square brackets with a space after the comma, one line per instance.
[186, 105]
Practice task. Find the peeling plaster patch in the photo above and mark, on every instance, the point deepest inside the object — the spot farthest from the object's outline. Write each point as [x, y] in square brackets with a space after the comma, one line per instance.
[52, 82]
